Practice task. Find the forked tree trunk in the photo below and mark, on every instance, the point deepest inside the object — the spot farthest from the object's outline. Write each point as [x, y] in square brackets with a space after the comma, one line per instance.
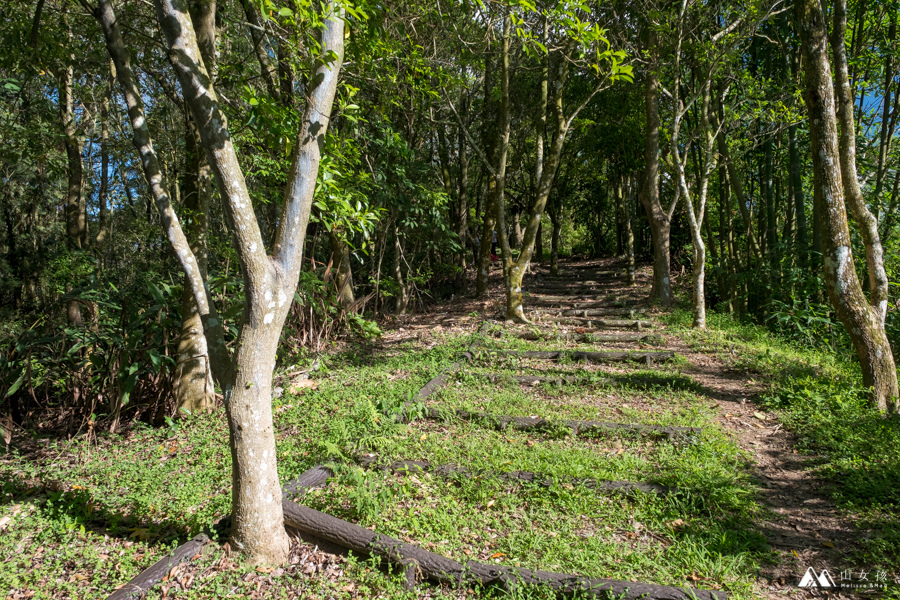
[194, 389]
[269, 281]
[861, 320]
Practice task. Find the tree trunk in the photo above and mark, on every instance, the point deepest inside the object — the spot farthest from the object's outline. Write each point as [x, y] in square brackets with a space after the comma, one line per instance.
[75, 210]
[515, 238]
[660, 220]
[194, 389]
[256, 27]
[768, 189]
[340, 256]
[554, 241]
[861, 320]
[269, 281]
[629, 234]
[483, 266]
[868, 224]
[802, 244]
[402, 299]
[462, 225]
[103, 192]
[696, 212]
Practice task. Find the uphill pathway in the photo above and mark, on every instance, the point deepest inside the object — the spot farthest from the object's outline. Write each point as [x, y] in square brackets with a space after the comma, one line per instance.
[588, 308]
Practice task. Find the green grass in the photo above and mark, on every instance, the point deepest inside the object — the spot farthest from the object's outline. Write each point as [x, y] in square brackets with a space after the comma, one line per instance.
[153, 488]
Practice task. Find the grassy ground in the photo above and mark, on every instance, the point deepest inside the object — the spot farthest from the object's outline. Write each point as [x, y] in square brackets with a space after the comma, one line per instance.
[81, 517]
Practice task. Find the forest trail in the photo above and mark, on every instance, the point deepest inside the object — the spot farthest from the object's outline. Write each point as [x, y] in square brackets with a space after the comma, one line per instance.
[798, 520]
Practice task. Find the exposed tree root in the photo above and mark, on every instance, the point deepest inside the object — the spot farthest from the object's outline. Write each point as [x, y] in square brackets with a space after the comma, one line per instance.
[585, 428]
[458, 472]
[418, 563]
[140, 585]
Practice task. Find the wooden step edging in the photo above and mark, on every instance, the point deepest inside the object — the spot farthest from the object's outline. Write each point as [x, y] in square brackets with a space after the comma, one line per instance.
[578, 337]
[501, 422]
[648, 358]
[403, 467]
[600, 323]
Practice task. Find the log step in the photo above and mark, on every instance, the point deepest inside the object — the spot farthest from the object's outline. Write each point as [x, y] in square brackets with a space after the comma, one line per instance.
[587, 338]
[601, 323]
[594, 357]
[534, 380]
[458, 472]
[576, 428]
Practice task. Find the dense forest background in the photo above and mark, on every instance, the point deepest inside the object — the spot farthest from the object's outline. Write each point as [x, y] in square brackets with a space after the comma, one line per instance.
[438, 106]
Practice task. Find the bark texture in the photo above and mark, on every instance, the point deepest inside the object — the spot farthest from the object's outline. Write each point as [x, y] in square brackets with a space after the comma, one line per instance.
[446, 570]
[868, 224]
[862, 321]
[194, 389]
[269, 282]
[660, 219]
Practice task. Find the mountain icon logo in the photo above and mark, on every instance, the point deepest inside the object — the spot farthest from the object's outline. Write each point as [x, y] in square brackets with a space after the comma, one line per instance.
[811, 579]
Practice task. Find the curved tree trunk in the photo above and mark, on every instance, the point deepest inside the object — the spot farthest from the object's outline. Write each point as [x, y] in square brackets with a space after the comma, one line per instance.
[868, 224]
[862, 321]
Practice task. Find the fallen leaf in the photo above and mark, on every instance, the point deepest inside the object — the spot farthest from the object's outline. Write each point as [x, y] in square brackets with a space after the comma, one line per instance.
[497, 554]
[677, 523]
[4, 521]
[140, 533]
[828, 544]
[490, 503]
[298, 386]
[759, 416]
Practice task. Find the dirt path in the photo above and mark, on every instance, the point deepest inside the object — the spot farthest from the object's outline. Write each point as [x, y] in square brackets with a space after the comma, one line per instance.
[803, 527]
